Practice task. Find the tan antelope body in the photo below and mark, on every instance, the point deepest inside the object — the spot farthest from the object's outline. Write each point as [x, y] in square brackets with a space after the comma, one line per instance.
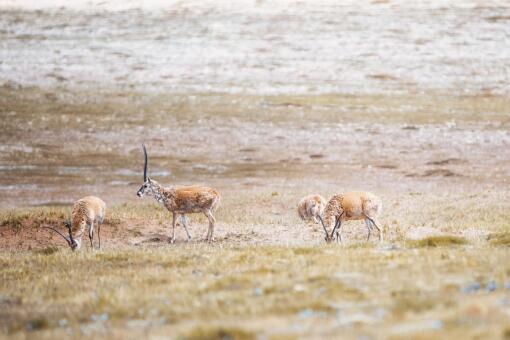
[182, 200]
[310, 208]
[87, 212]
[355, 205]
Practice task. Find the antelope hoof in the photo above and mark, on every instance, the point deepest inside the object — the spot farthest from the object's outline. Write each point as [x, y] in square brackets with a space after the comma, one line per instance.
[189, 239]
[171, 240]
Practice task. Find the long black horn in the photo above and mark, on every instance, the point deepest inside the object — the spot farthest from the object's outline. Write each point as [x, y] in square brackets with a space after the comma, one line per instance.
[323, 225]
[58, 232]
[145, 164]
[68, 225]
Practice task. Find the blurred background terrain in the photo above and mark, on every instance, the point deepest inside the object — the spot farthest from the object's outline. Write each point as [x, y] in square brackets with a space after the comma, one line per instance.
[384, 93]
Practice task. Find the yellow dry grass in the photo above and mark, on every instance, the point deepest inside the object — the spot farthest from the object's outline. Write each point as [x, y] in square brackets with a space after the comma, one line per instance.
[233, 289]
[203, 291]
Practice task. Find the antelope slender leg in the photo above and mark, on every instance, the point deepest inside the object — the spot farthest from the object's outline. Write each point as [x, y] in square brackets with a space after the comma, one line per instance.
[339, 231]
[184, 223]
[372, 220]
[338, 237]
[99, 234]
[91, 235]
[369, 227]
[208, 228]
[337, 224]
[174, 218]
[211, 225]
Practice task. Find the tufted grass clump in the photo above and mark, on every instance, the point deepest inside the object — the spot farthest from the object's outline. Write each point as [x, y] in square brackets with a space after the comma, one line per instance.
[438, 241]
[499, 239]
[218, 333]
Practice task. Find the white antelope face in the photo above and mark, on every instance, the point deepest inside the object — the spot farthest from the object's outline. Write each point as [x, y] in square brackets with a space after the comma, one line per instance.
[147, 187]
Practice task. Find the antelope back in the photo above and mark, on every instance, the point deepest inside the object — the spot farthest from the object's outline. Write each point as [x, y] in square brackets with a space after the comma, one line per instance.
[86, 210]
[333, 209]
[194, 198]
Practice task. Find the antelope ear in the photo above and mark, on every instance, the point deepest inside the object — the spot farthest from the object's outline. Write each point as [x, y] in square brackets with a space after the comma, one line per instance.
[149, 179]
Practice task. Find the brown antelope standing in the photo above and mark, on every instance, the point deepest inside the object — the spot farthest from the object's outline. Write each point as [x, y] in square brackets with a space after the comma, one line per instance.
[356, 205]
[182, 200]
[86, 211]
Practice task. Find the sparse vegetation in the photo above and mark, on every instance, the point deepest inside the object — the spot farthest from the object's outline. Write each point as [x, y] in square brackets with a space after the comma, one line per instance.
[439, 241]
[500, 239]
[252, 277]
[218, 333]
[13, 220]
[167, 286]
[17, 219]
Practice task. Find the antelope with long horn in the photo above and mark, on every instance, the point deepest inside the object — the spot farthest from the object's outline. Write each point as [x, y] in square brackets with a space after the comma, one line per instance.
[86, 211]
[181, 200]
[356, 205]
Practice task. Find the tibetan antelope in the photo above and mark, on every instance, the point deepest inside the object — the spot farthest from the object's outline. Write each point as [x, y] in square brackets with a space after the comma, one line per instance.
[86, 211]
[181, 200]
[311, 207]
[354, 205]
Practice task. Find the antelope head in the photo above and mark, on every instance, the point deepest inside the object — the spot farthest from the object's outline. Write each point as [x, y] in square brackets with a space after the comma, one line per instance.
[74, 244]
[146, 187]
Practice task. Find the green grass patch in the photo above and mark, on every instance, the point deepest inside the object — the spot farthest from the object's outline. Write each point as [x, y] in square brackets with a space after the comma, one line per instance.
[13, 220]
[218, 333]
[37, 324]
[47, 250]
[499, 239]
[438, 241]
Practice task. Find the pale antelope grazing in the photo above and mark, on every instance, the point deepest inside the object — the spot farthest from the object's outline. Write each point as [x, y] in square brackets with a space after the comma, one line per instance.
[182, 200]
[310, 208]
[86, 211]
[354, 205]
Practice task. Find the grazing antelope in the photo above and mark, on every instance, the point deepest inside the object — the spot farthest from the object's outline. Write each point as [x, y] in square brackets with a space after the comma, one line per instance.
[182, 200]
[311, 207]
[356, 205]
[86, 211]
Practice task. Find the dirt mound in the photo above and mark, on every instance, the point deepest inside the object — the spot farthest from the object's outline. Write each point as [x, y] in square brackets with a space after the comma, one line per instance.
[27, 231]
